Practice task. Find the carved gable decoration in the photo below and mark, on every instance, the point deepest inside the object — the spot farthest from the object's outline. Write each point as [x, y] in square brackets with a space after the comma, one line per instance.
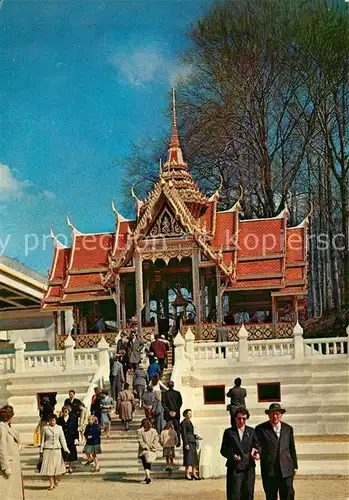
[166, 225]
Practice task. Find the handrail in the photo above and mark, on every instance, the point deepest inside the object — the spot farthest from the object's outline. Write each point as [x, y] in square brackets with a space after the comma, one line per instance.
[96, 381]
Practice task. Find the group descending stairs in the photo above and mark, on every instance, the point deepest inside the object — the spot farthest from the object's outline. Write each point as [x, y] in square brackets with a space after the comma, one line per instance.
[118, 460]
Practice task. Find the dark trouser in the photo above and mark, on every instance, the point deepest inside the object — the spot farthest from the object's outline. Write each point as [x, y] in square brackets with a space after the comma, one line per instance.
[233, 415]
[115, 388]
[274, 484]
[240, 484]
[145, 464]
[135, 366]
[161, 364]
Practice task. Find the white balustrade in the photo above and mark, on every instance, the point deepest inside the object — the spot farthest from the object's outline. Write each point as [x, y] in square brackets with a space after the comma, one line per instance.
[332, 346]
[42, 360]
[86, 357]
[215, 350]
[270, 348]
[7, 363]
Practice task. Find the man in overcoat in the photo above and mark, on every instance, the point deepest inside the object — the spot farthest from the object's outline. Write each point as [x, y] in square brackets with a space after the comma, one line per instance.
[278, 455]
[241, 448]
[237, 395]
[172, 403]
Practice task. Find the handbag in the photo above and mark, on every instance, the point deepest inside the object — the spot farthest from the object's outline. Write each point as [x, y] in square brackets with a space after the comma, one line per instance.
[149, 456]
[112, 414]
[39, 464]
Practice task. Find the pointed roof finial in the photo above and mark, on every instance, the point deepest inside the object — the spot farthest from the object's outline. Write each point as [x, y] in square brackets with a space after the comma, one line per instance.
[174, 141]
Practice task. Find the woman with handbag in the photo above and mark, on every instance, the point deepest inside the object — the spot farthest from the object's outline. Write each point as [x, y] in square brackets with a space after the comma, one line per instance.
[148, 441]
[52, 443]
[107, 404]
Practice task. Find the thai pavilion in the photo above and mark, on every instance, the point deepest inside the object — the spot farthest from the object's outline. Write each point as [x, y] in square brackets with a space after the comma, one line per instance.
[180, 253]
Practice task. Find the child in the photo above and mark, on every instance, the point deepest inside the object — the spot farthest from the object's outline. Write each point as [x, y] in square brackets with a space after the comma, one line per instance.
[168, 440]
[92, 447]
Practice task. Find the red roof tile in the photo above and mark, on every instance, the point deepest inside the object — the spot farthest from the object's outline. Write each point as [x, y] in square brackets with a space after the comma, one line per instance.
[295, 244]
[257, 283]
[83, 280]
[85, 296]
[60, 263]
[90, 251]
[225, 229]
[53, 292]
[259, 267]
[260, 237]
[294, 273]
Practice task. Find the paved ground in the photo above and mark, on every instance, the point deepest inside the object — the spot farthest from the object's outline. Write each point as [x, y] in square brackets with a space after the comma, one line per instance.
[307, 488]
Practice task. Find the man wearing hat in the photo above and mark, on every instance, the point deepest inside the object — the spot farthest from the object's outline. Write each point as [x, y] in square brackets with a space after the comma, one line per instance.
[278, 456]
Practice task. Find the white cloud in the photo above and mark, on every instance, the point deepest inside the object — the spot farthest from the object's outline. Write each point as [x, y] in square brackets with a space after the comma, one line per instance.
[49, 195]
[147, 64]
[11, 188]
[139, 66]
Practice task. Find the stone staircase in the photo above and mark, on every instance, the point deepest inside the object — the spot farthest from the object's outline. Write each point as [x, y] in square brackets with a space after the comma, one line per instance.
[118, 460]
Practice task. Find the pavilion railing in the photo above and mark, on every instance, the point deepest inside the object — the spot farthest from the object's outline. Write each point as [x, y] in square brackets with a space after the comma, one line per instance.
[256, 331]
[90, 340]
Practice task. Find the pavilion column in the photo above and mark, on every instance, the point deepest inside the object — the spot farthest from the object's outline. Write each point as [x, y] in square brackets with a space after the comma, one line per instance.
[196, 288]
[147, 299]
[117, 301]
[273, 312]
[295, 308]
[166, 304]
[139, 291]
[123, 303]
[219, 297]
[62, 322]
[203, 295]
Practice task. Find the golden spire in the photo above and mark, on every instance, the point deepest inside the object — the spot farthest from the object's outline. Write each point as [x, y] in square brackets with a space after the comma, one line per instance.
[174, 141]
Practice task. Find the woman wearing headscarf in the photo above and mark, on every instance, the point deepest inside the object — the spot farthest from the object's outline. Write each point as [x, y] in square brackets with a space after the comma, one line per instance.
[10, 465]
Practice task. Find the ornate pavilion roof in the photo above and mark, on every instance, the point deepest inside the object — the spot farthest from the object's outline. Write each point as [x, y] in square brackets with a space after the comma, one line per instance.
[251, 254]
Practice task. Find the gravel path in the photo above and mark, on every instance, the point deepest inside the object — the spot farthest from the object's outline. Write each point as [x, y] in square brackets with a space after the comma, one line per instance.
[307, 488]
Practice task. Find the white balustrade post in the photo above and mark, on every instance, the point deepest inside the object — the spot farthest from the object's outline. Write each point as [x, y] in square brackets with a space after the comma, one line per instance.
[189, 345]
[298, 342]
[19, 356]
[243, 343]
[179, 345]
[69, 345]
[103, 357]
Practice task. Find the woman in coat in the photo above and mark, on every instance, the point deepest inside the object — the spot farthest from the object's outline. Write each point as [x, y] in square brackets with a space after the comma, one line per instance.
[148, 441]
[190, 455]
[126, 405]
[52, 443]
[69, 425]
[134, 349]
[10, 465]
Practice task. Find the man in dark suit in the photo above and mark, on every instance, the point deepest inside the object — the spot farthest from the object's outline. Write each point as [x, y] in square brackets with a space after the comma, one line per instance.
[278, 456]
[237, 396]
[241, 448]
[74, 403]
[172, 403]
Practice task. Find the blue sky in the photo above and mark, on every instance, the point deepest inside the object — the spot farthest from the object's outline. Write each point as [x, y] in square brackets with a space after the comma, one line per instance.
[80, 80]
